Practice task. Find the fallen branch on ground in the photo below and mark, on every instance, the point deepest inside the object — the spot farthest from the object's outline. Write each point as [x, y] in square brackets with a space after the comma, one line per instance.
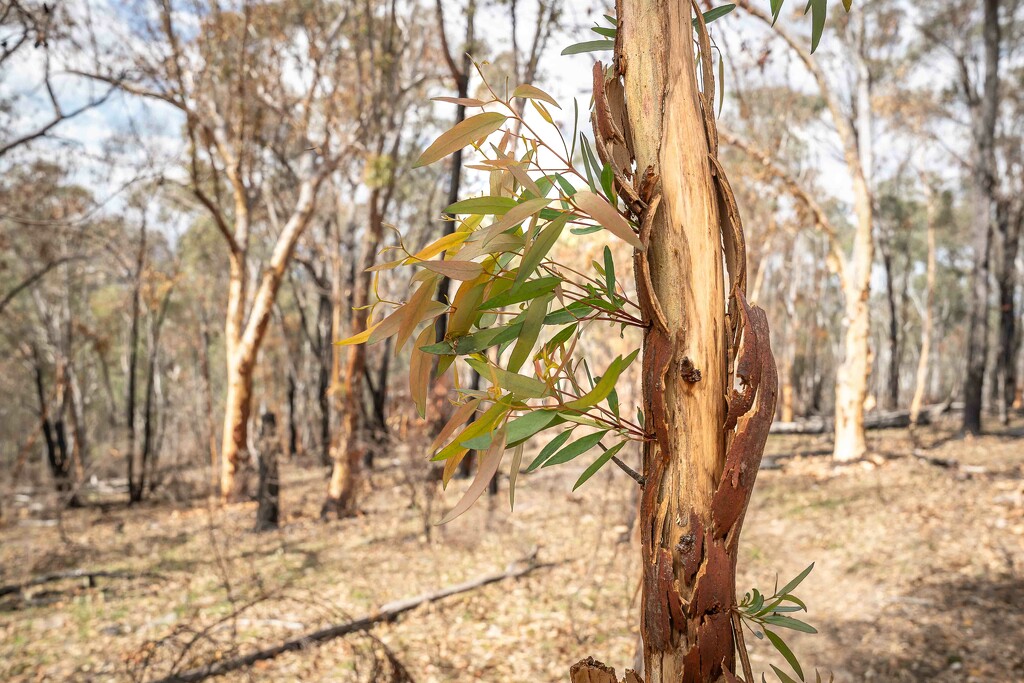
[73, 574]
[891, 419]
[386, 613]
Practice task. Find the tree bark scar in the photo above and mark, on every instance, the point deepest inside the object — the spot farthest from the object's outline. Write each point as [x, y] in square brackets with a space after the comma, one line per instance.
[691, 549]
[748, 368]
[659, 351]
[650, 307]
[744, 456]
[613, 146]
[606, 126]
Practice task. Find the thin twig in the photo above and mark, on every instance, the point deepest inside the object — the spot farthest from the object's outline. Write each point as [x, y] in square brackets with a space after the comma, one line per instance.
[737, 628]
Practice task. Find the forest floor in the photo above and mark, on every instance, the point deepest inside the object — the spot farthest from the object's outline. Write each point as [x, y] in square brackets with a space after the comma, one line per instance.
[919, 574]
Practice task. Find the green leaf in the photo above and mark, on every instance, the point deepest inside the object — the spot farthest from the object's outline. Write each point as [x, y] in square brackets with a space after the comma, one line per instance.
[513, 475]
[604, 387]
[575, 449]
[485, 423]
[519, 429]
[788, 588]
[571, 313]
[783, 676]
[792, 598]
[560, 337]
[540, 247]
[613, 402]
[525, 427]
[548, 450]
[598, 464]
[790, 623]
[519, 386]
[776, 9]
[586, 230]
[475, 343]
[483, 206]
[589, 46]
[819, 11]
[531, 289]
[715, 13]
[521, 212]
[567, 189]
[608, 183]
[784, 650]
[533, 321]
[602, 31]
[609, 271]
[463, 133]
[584, 148]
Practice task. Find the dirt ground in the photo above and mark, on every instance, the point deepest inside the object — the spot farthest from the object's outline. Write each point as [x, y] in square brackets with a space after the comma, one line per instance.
[919, 574]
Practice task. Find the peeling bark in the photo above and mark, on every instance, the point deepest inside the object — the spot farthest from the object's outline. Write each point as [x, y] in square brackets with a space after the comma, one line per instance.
[705, 437]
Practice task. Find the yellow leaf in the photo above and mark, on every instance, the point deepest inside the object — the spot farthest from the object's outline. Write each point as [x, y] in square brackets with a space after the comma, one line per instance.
[533, 93]
[543, 111]
[598, 208]
[464, 101]
[435, 248]
[468, 131]
[419, 370]
[485, 471]
[360, 338]
[384, 266]
[459, 418]
[417, 304]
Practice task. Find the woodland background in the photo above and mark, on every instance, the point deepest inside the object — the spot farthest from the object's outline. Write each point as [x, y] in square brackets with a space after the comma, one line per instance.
[190, 193]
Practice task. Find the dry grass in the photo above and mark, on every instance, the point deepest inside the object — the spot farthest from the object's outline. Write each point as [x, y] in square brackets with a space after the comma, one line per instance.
[918, 576]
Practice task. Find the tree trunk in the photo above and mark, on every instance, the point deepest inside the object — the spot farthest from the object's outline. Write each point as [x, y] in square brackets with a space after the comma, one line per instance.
[268, 505]
[243, 339]
[328, 320]
[348, 452]
[150, 454]
[853, 372]
[203, 351]
[134, 492]
[985, 110]
[892, 396]
[691, 511]
[1006, 280]
[234, 449]
[921, 382]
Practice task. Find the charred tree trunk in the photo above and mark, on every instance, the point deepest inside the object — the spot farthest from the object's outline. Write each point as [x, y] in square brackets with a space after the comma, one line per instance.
[149, 455]
[1010, 220]
[325, 355]
[53, 436]
[134, 491]
[892, 395]
[268, 505]
[985, 109]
